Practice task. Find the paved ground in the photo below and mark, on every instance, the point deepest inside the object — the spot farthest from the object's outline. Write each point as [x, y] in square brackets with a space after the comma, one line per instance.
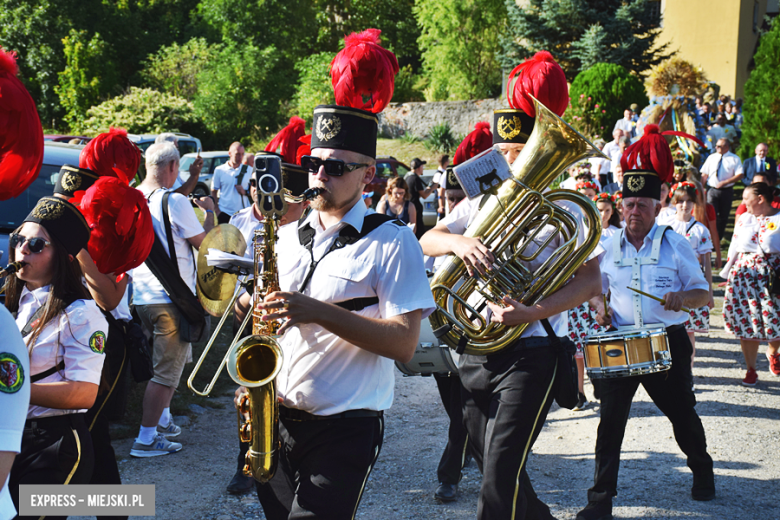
[742, 427]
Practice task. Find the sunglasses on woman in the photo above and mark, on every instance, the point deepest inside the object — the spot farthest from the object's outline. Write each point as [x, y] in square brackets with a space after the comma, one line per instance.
[35, 244]
[333, 167]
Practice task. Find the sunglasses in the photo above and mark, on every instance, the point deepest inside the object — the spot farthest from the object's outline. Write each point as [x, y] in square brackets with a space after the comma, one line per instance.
[333, 167]
[36, 244]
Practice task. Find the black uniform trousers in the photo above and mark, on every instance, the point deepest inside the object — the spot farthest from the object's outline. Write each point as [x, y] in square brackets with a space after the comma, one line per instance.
[55, 450]
[323, 467]
[721, 201]
[454, 456]
[672, 394]
[506, 397]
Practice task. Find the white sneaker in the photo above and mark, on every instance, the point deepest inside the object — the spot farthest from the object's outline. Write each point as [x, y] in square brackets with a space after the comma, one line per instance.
[159, 446]
[169, 431]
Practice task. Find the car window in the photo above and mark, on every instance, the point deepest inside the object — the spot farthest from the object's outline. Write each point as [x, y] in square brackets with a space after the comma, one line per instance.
[208, 166]
[384, 169]
[402, 171]
[14, 211]
[218, 161]
[184, 164]
[187, 147]
[145, 145]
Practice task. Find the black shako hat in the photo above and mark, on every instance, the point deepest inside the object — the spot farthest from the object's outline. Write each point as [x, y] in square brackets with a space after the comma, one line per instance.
[511, 125]
[295, 178]
[344, 128]
[63, 221]
[73, 179]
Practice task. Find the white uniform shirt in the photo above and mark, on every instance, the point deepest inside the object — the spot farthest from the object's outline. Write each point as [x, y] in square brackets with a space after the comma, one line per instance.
[77, 337]
[322, 373]
[464, 214]
[729, 167]
[14, 398]
[677, 269]
[225, 180]
[666, 216]
[697, 234]
[147, 290]
[569, 184]
[607, 232]
[246, 222]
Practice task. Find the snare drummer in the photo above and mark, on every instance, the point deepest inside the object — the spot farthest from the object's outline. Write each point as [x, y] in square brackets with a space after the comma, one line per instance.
[670, 270]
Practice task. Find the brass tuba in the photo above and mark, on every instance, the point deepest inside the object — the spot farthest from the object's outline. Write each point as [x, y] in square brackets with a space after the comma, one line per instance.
[514, 225]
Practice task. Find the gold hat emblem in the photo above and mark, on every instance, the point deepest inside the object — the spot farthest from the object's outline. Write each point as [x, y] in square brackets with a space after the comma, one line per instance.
[636, 183]
[49, 209]
[509, 128]
[452, 180]
[328, 127]
[70, 181]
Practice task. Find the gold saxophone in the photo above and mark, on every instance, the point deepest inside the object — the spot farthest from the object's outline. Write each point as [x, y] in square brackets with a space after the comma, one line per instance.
[509, 224]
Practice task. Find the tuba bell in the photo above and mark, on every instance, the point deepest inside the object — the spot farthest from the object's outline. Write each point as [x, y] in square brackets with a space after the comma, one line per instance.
[514, 225]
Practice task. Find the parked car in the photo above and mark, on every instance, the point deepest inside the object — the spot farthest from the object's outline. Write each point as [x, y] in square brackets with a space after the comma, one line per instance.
[66, 138]
[14, 211]
[187, 143]
[386, 168]
[210, 161]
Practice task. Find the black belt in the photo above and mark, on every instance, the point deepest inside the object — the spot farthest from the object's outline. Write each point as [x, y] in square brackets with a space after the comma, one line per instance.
[56, 421]
[358, 304]
[294, 414]
[533, 342]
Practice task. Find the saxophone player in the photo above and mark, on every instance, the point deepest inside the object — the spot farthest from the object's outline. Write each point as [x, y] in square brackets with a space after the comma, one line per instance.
[506, 395]
[353, 292]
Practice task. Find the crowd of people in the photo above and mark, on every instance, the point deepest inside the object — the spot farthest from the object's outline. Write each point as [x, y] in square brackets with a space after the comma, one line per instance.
[353, 292]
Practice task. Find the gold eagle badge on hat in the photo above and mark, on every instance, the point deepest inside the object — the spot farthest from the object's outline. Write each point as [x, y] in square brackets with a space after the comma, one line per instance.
[509, 128]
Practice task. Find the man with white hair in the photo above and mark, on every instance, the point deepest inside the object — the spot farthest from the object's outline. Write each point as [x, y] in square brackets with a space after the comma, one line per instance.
[159, 316]
[180, 186]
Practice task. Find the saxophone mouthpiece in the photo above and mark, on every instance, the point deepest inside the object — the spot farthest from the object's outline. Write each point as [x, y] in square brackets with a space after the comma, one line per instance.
[312, 193]
[11, 268]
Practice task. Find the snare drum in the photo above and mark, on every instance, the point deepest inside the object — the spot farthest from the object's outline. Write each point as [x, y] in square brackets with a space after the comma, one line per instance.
[431, 356]
[624, 353]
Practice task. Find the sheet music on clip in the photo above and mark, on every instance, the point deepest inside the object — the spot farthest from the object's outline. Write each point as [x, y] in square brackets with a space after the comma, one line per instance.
[482, 172]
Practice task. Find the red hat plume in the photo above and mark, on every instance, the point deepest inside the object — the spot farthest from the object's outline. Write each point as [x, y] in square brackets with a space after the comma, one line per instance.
[287, 140]
[479, 140]
[364, 68]
[304, 148]
[542, 78]
[112, 154]
[21, 134]
[122, 233]
[650, 152]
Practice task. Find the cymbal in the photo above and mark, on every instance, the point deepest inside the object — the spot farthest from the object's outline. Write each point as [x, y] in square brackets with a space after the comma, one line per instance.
[215, 284]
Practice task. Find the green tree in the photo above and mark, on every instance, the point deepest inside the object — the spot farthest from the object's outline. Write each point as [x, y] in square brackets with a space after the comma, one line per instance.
[581, 33]
[761, 109]
[314, 85]
[459, 42]
[406, 82]
[89, 74]
[599, 96]
[174, 68]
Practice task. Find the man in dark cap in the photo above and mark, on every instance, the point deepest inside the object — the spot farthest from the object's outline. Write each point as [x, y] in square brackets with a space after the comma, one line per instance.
[419, 191]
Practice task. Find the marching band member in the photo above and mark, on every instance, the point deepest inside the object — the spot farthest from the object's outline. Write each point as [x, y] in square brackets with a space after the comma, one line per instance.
[65, 334]
[352, 298]
[644, 256]
[507, 394]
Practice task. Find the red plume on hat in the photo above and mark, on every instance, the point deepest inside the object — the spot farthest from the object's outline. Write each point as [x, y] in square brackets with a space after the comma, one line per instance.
[479, 140]
[542, 78]
[364, 68]
[122, 233]
[21, 134]
[650, 152]
[112, 154]
[304, 148]
[287, 140]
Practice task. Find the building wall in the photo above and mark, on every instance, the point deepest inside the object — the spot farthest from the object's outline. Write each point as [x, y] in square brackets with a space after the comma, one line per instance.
[717, 35]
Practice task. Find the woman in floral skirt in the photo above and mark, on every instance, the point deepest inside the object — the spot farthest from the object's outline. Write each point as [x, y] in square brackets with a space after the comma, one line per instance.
[749, 309]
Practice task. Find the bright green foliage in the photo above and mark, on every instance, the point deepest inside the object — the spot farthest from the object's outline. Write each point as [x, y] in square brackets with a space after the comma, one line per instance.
[174, 68]
[88, 75]
[240, 93]
[459, 41]
[441, 139]
[314, 85]
[141, 111]
[406, 86]
[599, 96]
[761, 109]
[580, 34]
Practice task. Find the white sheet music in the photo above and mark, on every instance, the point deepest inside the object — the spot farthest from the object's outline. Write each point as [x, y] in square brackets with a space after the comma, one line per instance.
[482, 172]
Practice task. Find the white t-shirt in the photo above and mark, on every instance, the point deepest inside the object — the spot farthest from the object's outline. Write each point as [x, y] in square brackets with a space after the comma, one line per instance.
[14, 398]
[147, 289]
[323, 374]
[246, 222]
[225, 180]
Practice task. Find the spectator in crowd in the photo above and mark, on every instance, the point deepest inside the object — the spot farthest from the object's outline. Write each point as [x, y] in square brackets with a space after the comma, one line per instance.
[760, 164]
[634, 113]
[600, 167]
[707, 114]
[721, 130]
[181, 186]
[750, 310]
[160, 318]
[440, 178]
[249, 160]
[230, 184]
[418, 191]
[761, 177]
[705, 213]
[610, 148]
[616, 186]
[397, 204]
[626, 124]
[699, 104]
[623, 143]
[719, 173]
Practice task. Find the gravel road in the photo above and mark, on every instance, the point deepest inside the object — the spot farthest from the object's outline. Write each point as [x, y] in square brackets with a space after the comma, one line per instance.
[741, 423]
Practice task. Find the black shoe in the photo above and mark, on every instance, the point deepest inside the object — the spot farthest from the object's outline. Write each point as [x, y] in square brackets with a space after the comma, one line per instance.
[703, 486]
[601, 510]
[446, 492]
[240, 484]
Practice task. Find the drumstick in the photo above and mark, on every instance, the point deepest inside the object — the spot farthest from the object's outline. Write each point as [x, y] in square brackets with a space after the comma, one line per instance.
[656, 298]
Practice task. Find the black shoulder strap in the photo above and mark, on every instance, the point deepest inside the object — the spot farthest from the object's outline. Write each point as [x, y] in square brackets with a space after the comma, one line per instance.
[46, 373]
[693, 223]
[168, 233]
